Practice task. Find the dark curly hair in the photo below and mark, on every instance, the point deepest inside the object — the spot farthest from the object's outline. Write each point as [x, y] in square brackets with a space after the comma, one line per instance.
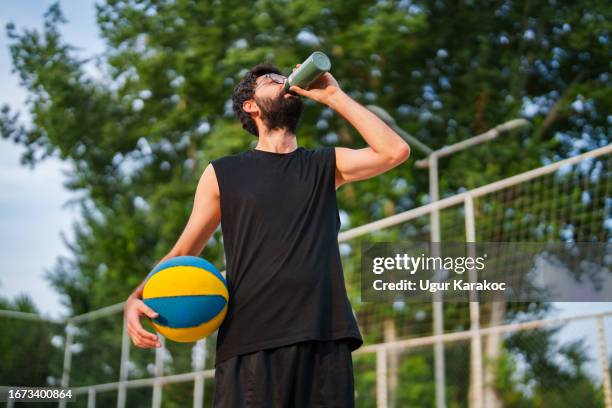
[245, 91]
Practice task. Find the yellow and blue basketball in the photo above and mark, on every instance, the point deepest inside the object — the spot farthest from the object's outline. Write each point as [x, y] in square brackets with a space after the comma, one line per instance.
[190, 296]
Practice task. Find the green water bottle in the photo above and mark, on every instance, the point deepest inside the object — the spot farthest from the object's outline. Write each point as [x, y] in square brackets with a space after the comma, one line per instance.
[315, 65]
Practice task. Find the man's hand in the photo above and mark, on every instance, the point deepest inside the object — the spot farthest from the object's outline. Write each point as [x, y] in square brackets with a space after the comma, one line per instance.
[134, 308]
[320, 90]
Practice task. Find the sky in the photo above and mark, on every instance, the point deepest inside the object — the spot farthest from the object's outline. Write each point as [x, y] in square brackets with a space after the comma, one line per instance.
[31, 203]
[32, 213]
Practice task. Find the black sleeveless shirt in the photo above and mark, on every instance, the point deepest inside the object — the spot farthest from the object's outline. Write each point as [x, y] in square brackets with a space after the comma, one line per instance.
[280, 223]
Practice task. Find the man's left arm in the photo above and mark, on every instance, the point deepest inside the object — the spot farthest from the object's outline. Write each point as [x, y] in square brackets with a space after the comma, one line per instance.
[386, 149]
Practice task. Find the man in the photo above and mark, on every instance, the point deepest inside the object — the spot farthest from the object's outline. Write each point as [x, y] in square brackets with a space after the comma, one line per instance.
[287, 338]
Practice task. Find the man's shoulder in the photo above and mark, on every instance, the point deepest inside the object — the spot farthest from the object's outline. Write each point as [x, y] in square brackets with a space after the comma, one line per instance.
[320, 151]
[325, 149]
[324, 153]
[230, 158]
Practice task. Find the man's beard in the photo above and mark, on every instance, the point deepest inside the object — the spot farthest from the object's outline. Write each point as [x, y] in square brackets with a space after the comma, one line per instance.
[281, 112]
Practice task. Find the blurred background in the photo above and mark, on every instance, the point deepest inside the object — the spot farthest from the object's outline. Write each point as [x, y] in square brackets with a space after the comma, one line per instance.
[111, 110]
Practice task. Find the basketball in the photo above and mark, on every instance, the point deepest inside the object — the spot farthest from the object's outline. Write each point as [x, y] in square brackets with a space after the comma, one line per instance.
[190, 296]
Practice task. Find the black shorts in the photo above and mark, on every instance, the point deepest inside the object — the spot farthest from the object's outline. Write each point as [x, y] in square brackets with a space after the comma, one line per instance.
[306, 374]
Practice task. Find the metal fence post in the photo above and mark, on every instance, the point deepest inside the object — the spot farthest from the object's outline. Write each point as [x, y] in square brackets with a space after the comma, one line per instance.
[159, 371]
[476, 345]
[70, 329]
[123, 367]
[91, 398]
[199, 357]
[603, 357]
[381, 377]
[437, 304]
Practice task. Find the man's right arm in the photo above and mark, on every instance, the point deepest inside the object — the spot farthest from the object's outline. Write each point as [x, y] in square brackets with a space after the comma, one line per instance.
[204, 219]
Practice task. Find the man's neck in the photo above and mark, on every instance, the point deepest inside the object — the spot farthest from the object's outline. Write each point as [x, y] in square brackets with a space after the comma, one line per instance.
[277, 141]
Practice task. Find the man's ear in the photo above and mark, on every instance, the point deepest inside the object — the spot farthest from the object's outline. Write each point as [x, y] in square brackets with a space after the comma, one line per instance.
[250, 106]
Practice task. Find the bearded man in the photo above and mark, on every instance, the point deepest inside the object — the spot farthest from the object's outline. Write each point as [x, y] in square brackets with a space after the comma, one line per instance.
[289, 331]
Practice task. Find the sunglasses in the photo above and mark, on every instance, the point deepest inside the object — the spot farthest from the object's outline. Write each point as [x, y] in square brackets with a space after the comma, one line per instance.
[276, 78]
